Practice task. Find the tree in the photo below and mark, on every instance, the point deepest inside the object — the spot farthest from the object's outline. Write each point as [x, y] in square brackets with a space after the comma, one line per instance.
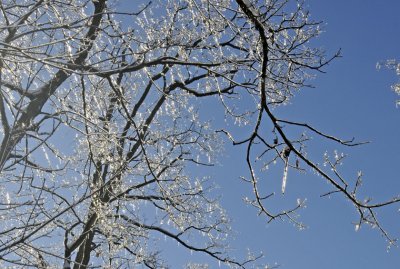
[101, 114]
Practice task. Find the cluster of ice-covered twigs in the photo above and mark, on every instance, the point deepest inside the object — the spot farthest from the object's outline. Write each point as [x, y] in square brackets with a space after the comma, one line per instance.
[101, 125]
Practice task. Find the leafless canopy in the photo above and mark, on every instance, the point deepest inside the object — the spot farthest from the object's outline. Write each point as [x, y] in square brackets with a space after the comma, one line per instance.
[101, 123]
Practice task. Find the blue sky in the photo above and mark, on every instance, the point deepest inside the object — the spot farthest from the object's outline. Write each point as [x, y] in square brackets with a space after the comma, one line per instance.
[353, 99]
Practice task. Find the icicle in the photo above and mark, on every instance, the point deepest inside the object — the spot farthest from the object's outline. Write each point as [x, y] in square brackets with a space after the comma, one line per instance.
[285, 155]
[285, 172]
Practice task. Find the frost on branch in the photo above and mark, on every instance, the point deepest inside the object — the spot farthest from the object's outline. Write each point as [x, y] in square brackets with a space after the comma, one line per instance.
[392, 65]
[102, 125]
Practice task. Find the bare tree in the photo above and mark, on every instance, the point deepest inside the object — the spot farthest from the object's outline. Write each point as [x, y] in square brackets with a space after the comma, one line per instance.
[101, 124]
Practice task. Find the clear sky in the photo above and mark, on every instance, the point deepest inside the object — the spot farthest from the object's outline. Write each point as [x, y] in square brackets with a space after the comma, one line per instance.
[353, 99]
